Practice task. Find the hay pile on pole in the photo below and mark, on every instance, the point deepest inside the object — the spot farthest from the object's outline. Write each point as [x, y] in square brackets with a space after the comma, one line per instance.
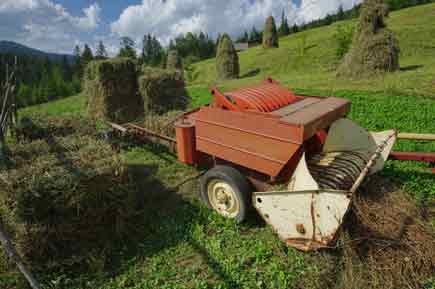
[374, 49]
[174, 61]
[111, 86]
[227, 60]
[162, 90]
[270, 34]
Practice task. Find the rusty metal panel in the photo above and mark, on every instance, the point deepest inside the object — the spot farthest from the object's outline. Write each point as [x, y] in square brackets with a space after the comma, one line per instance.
[292, 108]
[250, 140]
[318, 111]
[253, 123]
[319, 115]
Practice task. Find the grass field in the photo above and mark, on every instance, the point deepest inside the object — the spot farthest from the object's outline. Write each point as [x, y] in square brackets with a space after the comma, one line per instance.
[186, 246]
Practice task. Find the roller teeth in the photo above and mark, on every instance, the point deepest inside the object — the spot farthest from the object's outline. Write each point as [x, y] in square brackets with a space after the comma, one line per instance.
[337, 170]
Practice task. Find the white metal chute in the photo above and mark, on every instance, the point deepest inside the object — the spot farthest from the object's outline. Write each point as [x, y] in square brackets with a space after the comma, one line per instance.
[309, 214]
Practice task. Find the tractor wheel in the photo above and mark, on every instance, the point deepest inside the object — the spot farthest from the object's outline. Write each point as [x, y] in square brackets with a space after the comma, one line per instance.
[225, 190]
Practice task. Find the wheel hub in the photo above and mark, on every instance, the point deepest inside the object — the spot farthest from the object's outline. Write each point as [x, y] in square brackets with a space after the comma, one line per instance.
[223, 199]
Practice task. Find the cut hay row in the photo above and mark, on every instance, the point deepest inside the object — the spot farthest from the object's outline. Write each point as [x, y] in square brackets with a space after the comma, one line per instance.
[387, 242]
[65, 197]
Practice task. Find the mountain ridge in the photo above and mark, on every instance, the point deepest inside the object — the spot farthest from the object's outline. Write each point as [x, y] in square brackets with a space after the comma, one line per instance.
[18, 49]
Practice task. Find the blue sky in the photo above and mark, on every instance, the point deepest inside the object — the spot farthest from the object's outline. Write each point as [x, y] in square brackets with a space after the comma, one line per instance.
[59, 25]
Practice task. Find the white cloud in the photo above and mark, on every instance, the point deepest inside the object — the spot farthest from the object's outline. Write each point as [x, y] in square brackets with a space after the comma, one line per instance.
[168, 18]
[17, 5]
[91, 19]
[316, 9]
[46, 25]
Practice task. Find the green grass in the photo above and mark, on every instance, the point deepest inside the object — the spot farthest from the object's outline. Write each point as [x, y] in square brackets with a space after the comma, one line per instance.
[187, 246]
[316, 68]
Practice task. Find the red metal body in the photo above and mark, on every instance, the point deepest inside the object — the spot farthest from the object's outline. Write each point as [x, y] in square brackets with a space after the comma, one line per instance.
[415, 156]
[263, 128]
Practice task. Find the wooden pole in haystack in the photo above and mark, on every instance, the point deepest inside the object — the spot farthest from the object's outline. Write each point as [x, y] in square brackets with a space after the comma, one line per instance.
[8, 117]
[13, 255]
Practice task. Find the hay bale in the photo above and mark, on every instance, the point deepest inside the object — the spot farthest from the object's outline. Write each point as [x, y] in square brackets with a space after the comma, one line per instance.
[111, 86]
[227, 60]
[270, 34]
[63, 198]
[374, 50]
[162, 90]
[387, 243]
[174, 61]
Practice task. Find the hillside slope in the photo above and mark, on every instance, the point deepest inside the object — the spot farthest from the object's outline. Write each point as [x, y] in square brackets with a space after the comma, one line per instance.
[307, 59]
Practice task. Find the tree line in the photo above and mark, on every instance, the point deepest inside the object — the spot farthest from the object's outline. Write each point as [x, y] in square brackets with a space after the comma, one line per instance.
[41, 79]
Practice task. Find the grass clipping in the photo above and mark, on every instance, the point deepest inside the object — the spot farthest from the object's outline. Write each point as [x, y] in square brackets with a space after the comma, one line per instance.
[387, 242]
[162, 90]
[111, 86]
[65, 196]
[374, 50]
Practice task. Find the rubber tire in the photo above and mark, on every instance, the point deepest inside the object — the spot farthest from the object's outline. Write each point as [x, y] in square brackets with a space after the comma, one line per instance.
[241, 186]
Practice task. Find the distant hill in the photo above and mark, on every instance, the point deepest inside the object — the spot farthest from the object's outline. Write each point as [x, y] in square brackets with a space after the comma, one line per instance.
[19, 49]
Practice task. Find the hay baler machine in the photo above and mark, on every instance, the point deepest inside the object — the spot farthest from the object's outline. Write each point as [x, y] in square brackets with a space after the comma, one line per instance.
[296, 159]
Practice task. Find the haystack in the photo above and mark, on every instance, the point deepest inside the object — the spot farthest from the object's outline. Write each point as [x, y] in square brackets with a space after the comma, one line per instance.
[270, 34]
[174, 61]
[162, 90]
[374, 48]
[227, 60]
[65, 197]
[111, 86]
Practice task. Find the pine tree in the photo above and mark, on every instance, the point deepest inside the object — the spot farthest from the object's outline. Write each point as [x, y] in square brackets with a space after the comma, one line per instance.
[77, 56]
[127, 48]
[101, 51]
[87, 55]
[284, 29]
[340, 14]
[227, 60]
[270, 35]
[254, 36]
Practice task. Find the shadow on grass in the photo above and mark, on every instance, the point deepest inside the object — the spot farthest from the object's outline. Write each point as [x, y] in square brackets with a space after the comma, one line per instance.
[411, 67]
[251, 73]
[160, 218]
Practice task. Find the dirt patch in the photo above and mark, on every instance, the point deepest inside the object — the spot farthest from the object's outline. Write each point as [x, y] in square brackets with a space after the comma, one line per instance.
[386, 243]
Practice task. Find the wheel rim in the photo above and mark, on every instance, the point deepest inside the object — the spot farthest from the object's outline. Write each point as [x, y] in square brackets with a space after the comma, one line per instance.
[223, 199]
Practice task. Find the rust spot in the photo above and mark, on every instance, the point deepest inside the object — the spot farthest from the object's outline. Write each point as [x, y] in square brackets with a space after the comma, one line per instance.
[301, 229]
